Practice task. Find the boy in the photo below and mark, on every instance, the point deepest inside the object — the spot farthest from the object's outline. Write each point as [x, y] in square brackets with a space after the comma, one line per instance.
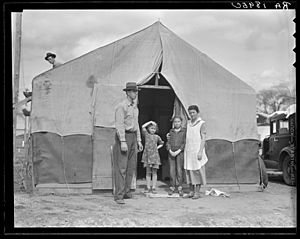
[175, 146]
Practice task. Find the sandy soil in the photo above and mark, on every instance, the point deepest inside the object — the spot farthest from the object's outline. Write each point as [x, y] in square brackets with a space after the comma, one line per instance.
[275, 207]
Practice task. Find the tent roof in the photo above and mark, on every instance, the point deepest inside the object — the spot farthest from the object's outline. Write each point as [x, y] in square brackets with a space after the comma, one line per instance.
[70, 95]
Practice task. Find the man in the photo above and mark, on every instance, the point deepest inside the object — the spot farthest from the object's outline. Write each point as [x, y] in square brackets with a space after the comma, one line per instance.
[50, 57]
[127, 142]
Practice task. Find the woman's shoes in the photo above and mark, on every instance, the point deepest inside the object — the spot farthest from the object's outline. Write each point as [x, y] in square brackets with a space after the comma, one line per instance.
[196, 195]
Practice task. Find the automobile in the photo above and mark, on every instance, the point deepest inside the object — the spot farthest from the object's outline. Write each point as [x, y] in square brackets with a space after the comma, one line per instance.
[279, 148]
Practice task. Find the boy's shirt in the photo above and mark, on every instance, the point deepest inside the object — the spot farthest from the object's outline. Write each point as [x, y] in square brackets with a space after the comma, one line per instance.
[177, 140]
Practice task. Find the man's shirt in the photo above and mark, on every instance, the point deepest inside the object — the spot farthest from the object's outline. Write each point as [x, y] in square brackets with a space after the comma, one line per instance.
[126, 119]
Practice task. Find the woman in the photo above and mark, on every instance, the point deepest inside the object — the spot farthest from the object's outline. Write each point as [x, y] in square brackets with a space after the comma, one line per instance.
[194, 154]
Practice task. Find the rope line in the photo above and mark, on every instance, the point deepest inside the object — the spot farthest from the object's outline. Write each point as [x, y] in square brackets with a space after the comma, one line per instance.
[63, 160]
[62, 137]
[237, 181]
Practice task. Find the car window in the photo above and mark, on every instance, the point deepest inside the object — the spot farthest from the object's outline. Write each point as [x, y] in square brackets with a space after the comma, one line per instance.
[273, 127]
[284, 126]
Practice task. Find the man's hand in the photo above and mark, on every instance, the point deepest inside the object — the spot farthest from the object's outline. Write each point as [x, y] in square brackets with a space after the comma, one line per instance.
[199, 155]
[124, 147]
[168, 136]
[140, 147]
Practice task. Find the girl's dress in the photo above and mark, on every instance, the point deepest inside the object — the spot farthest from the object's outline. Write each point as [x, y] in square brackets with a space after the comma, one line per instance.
[150, 156]
[195, 170]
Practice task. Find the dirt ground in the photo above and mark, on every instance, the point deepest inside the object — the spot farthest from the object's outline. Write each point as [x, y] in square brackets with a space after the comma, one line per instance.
[274, 207]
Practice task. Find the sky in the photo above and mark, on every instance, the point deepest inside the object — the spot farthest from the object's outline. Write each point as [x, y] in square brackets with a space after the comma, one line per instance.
[255, 45]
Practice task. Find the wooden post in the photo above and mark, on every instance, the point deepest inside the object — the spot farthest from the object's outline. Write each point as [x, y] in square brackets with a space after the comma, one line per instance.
[156, 79]
[17, 56]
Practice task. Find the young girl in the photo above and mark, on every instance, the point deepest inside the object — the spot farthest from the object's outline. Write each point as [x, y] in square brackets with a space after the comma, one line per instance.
[150, 156]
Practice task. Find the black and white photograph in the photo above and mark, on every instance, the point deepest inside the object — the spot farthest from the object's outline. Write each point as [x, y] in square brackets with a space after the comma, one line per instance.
[154, 118]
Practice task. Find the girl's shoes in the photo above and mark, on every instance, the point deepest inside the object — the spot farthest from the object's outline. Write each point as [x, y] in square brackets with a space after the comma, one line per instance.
[171, 191]
[154, 191]
[180, 192]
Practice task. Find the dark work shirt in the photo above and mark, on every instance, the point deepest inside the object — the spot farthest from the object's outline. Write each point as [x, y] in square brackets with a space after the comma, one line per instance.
[177, 140]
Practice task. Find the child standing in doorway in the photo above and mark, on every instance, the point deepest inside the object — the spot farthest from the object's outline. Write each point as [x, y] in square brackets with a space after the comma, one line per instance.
[150, 157]
[175, 146]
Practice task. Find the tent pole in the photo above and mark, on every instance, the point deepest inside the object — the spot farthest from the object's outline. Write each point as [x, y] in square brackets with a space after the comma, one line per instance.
[17, 56]
[156, 79]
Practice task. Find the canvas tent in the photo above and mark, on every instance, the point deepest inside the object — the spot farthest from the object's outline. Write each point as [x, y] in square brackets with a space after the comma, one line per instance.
[72, 117]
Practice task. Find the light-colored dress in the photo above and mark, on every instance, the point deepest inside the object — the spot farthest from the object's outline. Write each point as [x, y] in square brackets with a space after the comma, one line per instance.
[194, 168]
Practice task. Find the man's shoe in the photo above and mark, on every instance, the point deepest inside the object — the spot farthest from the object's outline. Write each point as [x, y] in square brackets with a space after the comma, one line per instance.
[120, 201]
[154, 191]
[180, 192]
[128, 196]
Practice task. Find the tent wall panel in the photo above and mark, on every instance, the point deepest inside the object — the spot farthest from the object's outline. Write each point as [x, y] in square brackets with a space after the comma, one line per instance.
[232, 163]
[104, 138]
[246, 161]
[220, 165]
[59, 159]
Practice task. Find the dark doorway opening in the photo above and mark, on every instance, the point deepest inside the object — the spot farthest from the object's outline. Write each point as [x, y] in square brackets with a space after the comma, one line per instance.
[156, 104]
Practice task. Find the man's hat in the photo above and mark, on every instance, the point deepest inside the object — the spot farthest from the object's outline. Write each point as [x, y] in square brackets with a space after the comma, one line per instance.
[49, 54]
[131, 86]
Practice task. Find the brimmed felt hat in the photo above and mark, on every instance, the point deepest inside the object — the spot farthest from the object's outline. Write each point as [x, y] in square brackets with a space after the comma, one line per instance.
[131, 86]
[49, 54]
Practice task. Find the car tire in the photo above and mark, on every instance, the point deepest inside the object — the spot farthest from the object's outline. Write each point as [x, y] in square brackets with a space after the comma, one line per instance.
[264, 180]
[286, 171]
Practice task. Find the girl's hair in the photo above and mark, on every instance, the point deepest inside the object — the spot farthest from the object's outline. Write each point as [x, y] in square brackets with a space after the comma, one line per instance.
[177, 117]
[194, 107]
[149, 125]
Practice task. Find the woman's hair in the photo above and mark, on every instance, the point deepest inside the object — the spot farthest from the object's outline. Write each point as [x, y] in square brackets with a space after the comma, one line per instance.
[149, 125]
[194, 107]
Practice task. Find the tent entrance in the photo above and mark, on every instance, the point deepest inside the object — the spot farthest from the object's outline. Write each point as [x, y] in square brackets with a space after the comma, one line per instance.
[156, 102]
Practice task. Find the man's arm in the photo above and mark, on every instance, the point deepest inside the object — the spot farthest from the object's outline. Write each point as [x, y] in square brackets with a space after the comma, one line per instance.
[119, 121]
[138, 132]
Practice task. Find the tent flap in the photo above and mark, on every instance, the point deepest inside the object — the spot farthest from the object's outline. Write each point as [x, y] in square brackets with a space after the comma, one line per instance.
[226, 103]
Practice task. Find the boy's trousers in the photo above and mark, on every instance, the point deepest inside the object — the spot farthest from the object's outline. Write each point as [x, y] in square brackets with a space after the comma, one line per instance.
[124, 164]
[176, 170]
